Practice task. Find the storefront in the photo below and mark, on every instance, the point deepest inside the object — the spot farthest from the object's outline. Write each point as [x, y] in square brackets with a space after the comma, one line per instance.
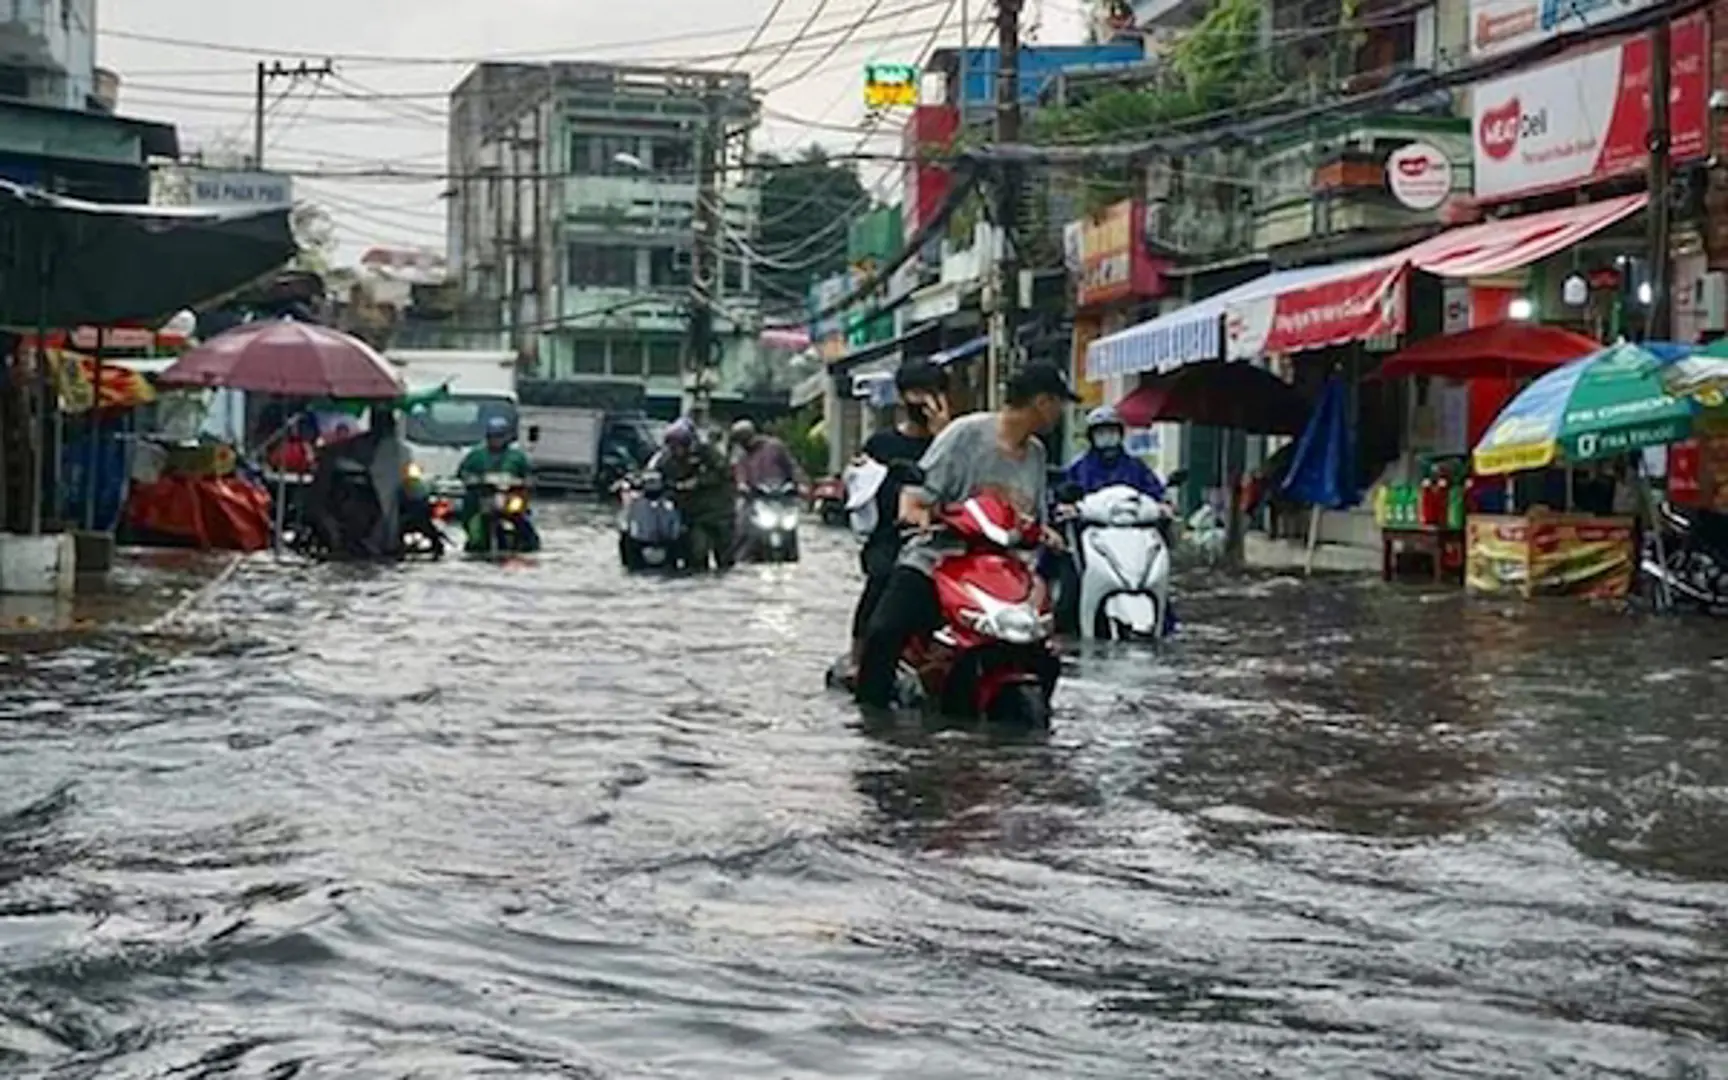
[1115, 279]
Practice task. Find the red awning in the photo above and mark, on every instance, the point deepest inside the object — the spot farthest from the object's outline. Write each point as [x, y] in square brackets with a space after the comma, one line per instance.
[1368, 302]
[1503, 350]
[1495, 247]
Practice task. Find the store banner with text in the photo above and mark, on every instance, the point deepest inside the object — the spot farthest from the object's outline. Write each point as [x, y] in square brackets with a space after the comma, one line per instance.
[1351, 308]
[1110, 257]
[1587, 117]
[1501, 26]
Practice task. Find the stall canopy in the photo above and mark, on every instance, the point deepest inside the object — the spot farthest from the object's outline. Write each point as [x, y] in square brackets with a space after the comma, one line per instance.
[1369, 301]
[1241, 397]
[1191, 335]
[1502, 350]
[68, 262]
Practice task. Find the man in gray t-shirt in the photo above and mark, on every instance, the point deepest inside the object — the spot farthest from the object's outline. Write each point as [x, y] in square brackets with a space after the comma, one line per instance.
[983, 451]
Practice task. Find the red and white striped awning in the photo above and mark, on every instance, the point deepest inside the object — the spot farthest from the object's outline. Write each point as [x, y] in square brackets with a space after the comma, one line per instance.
[1495, 247]
[1367, 299]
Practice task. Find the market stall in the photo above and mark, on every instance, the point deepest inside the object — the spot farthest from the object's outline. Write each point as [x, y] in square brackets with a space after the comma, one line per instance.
[1603, 410]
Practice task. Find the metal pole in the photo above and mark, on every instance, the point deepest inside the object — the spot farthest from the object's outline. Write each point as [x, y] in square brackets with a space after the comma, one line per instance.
[263, 76]
[1003, 338]
[705, 274]
[93, 457]
[1658, 325]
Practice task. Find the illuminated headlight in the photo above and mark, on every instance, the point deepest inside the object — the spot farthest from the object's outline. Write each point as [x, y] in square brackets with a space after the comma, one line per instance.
[790, 521]
[765, 517]
[515, 505]
[413, 471]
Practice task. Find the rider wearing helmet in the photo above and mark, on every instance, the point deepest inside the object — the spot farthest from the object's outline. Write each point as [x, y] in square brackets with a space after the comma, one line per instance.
[763, 460]
[498, 454]
[1106, 462]
[701, 485]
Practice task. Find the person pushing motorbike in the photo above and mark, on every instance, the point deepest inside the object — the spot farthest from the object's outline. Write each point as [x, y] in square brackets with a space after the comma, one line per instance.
[498, 454]
[997, 451]
[923, 391]
[702, 489]
[763, 460]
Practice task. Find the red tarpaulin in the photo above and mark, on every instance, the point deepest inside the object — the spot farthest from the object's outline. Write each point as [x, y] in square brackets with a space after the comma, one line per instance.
[1501, 350]
[222, 513]
[289, 359]
[1218, 394]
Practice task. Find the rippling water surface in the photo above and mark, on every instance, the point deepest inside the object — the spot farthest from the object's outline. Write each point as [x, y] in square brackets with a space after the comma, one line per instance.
[541, 820]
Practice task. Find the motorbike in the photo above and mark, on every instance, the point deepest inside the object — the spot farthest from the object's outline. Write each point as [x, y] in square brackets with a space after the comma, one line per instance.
[1691, 561]
[651, 533]
[771, 523]
[417, 517]
[828, 500]
[1119, 540]
[505, 522]
[992, 658]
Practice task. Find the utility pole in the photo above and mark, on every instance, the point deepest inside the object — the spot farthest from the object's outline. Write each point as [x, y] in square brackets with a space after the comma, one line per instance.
[705, 274]
[267, 71]
[1659, 323]
[1003, 320]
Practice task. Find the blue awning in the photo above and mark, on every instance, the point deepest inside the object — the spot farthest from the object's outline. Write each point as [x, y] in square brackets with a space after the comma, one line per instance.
[960, 352]
[1189, 335]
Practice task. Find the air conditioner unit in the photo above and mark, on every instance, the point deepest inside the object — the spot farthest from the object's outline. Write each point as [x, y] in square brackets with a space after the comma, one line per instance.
[1710, 300]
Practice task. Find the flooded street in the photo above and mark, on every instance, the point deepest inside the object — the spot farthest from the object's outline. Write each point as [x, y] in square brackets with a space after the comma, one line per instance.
[540, 820]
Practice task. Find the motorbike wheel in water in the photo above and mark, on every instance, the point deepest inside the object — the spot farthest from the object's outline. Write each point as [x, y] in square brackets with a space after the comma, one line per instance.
[1021, 706]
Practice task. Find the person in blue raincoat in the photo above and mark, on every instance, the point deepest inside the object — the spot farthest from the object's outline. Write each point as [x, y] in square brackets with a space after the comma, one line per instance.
[1106, 462]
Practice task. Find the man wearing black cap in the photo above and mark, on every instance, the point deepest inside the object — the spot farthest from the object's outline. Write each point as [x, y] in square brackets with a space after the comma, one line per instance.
[999, 451]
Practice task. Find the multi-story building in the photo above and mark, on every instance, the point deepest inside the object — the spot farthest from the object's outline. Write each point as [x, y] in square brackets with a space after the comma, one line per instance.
[571, 217]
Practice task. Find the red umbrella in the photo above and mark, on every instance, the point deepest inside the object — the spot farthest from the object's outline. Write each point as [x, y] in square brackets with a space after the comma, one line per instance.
[289, 359]
[1223, 394]
[1503, 350]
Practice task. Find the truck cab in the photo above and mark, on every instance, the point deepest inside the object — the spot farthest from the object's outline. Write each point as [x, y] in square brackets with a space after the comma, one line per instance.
[482, 385]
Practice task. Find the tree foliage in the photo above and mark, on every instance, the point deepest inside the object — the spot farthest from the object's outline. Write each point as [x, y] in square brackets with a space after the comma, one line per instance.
[801, 199]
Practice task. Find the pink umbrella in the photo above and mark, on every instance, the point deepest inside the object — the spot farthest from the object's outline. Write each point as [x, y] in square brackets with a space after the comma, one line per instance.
[289, 359]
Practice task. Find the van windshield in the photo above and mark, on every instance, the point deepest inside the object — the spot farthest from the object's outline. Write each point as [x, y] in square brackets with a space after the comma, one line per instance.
[457, 421]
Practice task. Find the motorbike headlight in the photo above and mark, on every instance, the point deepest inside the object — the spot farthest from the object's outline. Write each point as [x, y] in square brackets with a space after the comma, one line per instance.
[790, 521]
[765, 517]
[1017, 624]
[515, 504]
[413, 471]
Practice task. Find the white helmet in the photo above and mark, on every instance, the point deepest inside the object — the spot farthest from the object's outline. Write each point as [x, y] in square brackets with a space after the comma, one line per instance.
[1103, 416]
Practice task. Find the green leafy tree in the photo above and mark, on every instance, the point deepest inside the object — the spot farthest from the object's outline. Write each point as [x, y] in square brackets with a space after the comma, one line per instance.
[799, 238]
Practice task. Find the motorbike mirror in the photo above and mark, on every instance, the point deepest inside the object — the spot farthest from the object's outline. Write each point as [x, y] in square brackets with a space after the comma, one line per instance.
[1178, 478]
[1069, 492]
[533, 432]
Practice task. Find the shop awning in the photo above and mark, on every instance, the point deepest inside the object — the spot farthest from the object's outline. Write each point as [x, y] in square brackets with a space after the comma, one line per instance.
[960, 352]
[1188, 335]
[1364, 300]
[864, 354]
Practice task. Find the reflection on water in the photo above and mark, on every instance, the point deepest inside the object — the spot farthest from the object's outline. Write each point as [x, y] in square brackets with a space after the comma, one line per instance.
[537, 820]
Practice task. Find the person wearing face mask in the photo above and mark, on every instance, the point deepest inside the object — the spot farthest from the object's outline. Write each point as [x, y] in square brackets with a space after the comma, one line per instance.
[1106, 463]
[998, 451]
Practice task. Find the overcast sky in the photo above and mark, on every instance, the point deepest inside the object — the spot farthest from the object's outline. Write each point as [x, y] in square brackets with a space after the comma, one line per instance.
[207, 90]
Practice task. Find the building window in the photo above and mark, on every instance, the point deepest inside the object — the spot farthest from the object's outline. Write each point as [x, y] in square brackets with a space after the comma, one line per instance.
[588, 356]
[732, 276]
[668, 268]
[597, 155]
[627, 357]
[665, 357]
[600, 265]
[674, 159]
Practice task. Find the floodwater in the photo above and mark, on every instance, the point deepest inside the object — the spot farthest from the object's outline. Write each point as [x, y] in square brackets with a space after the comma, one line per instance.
[538, 820]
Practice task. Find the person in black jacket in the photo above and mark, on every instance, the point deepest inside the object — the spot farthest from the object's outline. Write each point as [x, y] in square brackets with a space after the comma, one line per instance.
[923, 392]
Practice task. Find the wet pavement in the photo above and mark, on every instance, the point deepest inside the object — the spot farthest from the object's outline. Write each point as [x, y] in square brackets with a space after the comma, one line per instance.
[539, 820]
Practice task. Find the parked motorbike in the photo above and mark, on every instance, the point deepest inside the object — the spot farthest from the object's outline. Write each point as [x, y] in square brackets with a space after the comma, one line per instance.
[505, 523]
[1691, 561]
[992, 657]
[771, 523]
[651, 533]
[1119, 541]
[828, 500]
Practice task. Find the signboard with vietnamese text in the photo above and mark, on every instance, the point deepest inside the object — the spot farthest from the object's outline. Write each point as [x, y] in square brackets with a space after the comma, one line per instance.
[230, 189]
[1106, 256]
[1587, 117]
[888, 86]
[1502, 26]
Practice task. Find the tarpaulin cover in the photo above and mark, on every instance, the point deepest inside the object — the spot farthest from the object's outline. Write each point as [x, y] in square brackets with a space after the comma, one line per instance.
[1322, 471]
[222, 513]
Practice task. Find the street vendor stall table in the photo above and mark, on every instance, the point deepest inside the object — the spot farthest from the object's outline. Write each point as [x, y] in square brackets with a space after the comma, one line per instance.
[1546, 553]
[1444, 548]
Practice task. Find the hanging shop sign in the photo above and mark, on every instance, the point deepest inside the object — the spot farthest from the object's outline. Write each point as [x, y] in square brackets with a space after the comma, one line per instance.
[1588, 117]
[1501, 26]
[1350, 307]
[1419, 175]
[1109, 260]
[888, 86]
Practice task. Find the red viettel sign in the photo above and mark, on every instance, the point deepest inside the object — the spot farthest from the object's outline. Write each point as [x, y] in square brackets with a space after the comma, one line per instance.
[1419, 175]
[1587, 117]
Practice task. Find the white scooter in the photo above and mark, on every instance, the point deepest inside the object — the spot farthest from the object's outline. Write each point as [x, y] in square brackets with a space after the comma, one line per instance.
[1122, 560]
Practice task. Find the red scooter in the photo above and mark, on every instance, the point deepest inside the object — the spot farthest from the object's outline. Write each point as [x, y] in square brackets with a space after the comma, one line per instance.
[993, 657]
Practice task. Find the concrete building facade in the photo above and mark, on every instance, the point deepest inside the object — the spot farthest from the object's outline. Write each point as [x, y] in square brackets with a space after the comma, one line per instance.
[570, 217]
